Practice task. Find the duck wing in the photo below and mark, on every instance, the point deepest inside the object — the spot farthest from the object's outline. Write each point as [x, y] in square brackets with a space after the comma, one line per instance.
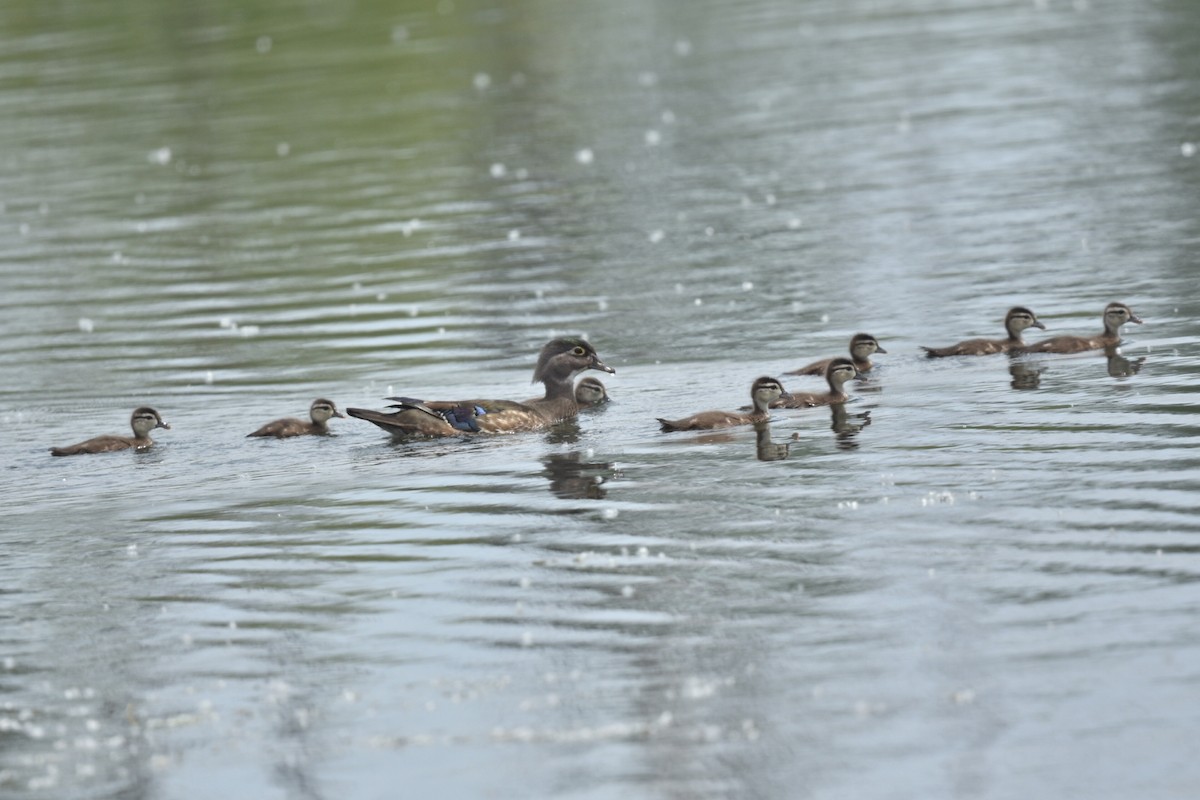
[452, 417]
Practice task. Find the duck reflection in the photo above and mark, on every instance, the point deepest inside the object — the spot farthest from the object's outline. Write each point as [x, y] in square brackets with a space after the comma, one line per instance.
[564, 432]
[846, 426]
[573, 478]
[764, 448]
[592, 397]
[1121, 367]
[1025, 375]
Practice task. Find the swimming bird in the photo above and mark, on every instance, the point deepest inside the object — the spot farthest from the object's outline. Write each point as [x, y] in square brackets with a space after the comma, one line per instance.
[320, 411]
[144, 420]
[590, 392]
[862, 347]
[559, 361]
[763, 392]
[837, 373]
[1016, 320]
[1115, 315]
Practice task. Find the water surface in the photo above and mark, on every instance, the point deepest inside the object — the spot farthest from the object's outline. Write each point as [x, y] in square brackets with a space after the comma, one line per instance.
[980, 581]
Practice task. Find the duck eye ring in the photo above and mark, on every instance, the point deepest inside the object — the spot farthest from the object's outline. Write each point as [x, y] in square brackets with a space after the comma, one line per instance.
[578, 351]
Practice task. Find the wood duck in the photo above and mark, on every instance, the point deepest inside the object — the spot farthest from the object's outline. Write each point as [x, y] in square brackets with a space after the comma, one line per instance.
[1016, 320]
[763, 392]
[837, 373]
[590, 392]
[862, 347]
[1115, 315]
[559, 361]
[321, 411]
[144, 420]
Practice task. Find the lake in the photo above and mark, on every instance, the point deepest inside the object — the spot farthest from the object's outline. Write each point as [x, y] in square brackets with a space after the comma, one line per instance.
[979, 578]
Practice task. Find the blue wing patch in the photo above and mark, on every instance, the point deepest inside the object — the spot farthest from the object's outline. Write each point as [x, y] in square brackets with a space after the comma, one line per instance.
[464, 418]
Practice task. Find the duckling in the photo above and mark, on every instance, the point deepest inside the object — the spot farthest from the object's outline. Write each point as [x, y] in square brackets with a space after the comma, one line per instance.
[590, 392]
[1016, 320]
[837, 373]
[559, 361]
[862, 347]
[144, 420]
[1115, 315]
[320, 411]
[763, 392]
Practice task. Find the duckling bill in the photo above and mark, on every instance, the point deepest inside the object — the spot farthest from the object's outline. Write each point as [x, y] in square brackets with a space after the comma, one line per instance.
[144, 420]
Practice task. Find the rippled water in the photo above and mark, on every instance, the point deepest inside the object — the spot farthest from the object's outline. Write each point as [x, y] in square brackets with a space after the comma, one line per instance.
[980, 581]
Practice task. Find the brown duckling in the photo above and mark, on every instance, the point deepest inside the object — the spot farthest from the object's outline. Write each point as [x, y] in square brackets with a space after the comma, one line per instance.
[590, 392]
[144, 420]
[321, 411]
[1115, 315]
[559, 361]
[1016, 320]
[862, 347]
[837, 373]
[763, 392]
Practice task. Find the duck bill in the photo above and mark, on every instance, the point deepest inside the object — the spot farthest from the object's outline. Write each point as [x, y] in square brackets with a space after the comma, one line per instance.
[1134, 318]
[339, 415]
[164, 425]
[600, 365]
[1037, 323]
[879, 349]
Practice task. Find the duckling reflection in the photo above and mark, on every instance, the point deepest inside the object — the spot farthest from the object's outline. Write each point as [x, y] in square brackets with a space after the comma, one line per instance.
[572, 478]
[764, 448]
[1025, 375]
[1121, 367]
[845, 427]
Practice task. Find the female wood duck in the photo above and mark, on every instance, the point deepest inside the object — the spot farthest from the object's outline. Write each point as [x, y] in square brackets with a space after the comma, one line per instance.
[321, 411]
[1016, 320]
[837, 373]
[559, 361]
[1115, 315]
[144, 420]
[862, 347]
[590, 392]
[763, 393]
